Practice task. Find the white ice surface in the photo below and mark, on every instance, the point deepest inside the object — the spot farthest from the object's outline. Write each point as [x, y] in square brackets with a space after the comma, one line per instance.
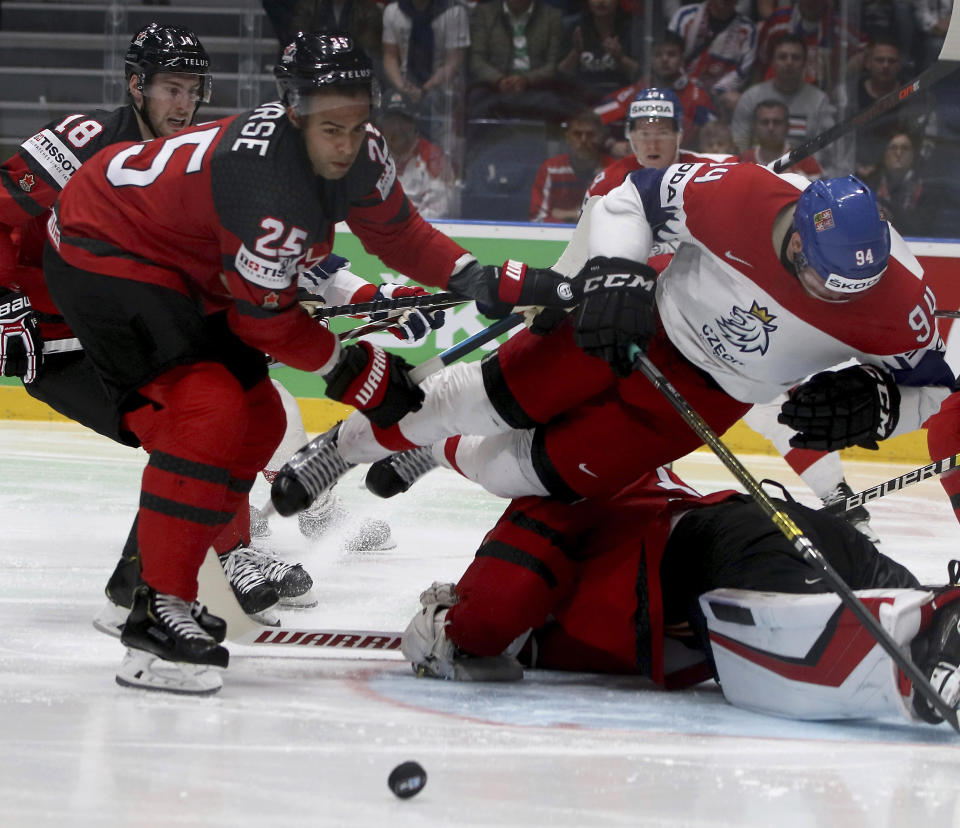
[293, 741]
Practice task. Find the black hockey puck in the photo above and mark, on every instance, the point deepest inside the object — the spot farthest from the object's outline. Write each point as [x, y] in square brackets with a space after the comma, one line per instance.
[407, 779]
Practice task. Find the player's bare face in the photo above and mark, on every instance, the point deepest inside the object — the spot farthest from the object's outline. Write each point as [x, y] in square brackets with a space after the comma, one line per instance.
[334, 132]
[170, 101]
[655, 143]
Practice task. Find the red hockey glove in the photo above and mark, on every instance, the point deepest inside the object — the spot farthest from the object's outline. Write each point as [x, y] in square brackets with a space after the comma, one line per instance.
[855, 406]
[21, 343]
[374, 382]
[416, 323]
[498, 290]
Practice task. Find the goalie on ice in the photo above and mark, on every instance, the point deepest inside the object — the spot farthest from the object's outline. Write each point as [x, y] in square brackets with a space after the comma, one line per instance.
[663, 582]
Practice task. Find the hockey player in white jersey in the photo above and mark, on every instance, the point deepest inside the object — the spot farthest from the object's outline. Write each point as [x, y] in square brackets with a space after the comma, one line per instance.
[769, 286]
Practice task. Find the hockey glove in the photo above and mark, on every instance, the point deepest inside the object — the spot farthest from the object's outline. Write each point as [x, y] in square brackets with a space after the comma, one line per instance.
[498, 290]
[374, 382]
[413, 325]
[855, 406]
[617, 310]
[21, 343]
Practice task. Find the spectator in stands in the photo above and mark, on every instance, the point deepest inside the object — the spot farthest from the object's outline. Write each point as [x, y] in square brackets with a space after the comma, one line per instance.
[829, 41]
[424, 46]
[563, 179]
[770, 120]
[881, 75]
[933, 18]
[899, 186]
[599, 58]
[424, 171]
[893, 19]
[666, 72]
[361, 18]
[716, 138]
[719, 48]
[811, 111]
[515, 47]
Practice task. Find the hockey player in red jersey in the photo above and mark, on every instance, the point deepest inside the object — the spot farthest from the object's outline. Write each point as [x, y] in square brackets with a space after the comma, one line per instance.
[175, 262]
[775, 279]
[663, 582]
[654, 127]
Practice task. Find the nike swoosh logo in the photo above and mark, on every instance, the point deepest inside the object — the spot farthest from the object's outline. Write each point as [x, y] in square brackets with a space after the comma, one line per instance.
[730, 255]
[585, 470]
[812, 580]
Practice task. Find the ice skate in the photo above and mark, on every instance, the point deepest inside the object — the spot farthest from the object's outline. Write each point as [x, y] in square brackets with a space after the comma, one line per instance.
[290, 580]
[398, 472]
[308, 474]
[936, 651]
[163, 628]
[259, 525]
[858, 517]
[328, 512]
[256, 596]
[120, 588]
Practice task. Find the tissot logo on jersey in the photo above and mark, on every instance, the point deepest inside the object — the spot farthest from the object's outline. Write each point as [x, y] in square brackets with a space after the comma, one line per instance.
[53, 155]
[267, 273]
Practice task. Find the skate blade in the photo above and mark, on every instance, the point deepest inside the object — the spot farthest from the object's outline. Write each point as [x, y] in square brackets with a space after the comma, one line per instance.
[145, 671]
[110, 619]
[306, 601]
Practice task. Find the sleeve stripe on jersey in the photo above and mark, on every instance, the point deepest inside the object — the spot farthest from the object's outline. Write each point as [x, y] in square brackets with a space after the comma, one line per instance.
[21, 198]
[53, 156]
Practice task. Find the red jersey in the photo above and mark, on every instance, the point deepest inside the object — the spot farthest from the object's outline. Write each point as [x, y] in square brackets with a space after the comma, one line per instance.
[558, 186]
[30, 182]
[230, 211]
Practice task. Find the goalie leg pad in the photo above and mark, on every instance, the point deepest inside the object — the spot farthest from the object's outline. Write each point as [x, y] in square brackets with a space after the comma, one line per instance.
[808, 656]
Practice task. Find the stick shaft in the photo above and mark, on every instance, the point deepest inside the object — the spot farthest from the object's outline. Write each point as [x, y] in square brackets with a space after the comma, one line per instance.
[400, 303]
[894, 484]
[795, 535]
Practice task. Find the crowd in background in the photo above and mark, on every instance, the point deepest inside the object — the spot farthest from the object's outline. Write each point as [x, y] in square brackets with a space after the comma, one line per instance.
[502, 109]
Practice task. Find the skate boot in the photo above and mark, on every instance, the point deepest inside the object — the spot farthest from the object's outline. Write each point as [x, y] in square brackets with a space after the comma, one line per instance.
[259, 525]
[398, 472]
[254, 593]
[328, 513]
[291, 581]
[308, 474]
[124, 580]
[167, 649]
[858, 517]
[120, 589]
[936, 651]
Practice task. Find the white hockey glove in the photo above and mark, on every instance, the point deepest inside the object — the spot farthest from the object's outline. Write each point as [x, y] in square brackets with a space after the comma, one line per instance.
[21, 343]
[438, 593]
[414, 324]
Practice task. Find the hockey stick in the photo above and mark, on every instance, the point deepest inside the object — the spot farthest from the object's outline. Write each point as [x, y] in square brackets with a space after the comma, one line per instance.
[215, 592]
[804, 547]
[945, 314]
[947, 61]
[429, 300]
[938, 467]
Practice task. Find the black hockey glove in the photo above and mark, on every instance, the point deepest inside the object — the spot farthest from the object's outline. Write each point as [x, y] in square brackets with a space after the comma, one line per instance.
[855, 406]
[617, 310]
[374, 382]
[21, 343]
[498, 290]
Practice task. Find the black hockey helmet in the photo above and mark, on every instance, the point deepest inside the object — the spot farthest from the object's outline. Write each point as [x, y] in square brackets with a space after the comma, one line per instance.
[322, 60]
[158, 48]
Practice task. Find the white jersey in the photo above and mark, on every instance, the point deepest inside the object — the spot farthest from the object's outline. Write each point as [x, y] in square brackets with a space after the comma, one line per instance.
[731, 308]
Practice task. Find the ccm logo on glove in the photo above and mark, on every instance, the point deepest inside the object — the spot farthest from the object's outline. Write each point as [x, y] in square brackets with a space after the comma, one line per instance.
[608, 281]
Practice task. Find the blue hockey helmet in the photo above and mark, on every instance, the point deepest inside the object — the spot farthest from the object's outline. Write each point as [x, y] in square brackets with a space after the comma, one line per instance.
[845, 240]
[655, 104]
